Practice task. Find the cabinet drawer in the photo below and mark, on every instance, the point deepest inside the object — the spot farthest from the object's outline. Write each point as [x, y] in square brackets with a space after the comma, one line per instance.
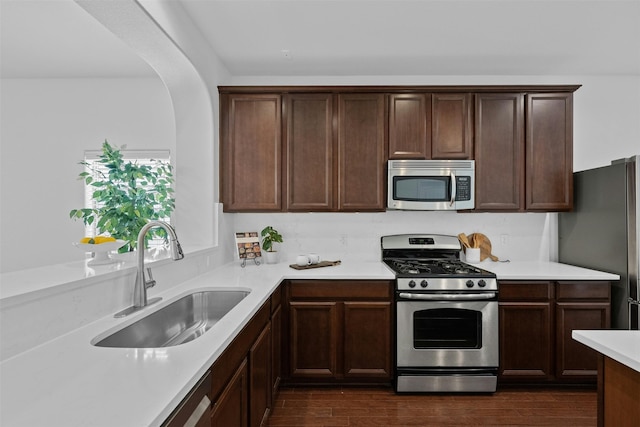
[576, 291]
[340, 289]
[525, 291]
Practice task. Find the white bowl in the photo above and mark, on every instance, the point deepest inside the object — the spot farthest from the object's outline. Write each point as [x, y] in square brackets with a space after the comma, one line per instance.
[101, 250]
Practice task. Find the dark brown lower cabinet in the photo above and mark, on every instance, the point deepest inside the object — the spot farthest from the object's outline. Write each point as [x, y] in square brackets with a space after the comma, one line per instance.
[536, 321]
[313, 339]
[231, 408]
[338, 331]
[246, 376]
[260, 379]
[525, 341]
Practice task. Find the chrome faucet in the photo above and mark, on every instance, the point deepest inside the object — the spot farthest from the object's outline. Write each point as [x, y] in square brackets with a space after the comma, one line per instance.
[142, 283]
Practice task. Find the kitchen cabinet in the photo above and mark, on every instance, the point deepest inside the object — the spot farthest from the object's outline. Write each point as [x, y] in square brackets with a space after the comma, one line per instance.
[361, 152]
[195, 407]
[499, 151]
[276, 342]
[311, 148]
[338, 331]
[536, 320]
[579, 305]
[451, 126]
[231, 408]
[430, 126]
[260, 378]
[549, 152]
[410, 126]
[523, 151]
[243, 379]
[324, 148]
[526, 327]
[324, 152]
[251, 152]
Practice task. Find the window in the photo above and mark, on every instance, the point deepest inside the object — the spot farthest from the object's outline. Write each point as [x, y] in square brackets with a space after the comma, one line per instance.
[98, 171]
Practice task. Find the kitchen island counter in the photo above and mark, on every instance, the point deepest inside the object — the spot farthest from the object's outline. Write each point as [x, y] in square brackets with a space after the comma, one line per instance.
[619, 345]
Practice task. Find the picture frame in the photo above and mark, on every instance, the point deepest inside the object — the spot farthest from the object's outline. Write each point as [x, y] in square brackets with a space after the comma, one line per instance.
[248, 245]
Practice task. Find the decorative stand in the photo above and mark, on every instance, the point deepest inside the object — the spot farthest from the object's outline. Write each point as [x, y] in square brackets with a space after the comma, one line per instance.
[244, 262]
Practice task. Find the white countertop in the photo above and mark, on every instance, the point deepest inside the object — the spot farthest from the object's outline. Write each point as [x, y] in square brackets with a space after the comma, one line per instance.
[621, 346]
[68, 382]
[538, 270]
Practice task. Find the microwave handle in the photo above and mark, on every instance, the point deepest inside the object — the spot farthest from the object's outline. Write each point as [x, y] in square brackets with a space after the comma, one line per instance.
[453, 188]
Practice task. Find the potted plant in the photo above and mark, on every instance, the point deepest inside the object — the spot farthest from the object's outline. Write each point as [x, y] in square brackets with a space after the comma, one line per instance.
[270, 236]
[127, 195]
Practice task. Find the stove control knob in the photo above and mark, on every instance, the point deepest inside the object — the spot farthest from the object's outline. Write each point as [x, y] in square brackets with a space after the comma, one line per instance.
[469, 283]
[412, 284]
[482, 283]
[424, 283]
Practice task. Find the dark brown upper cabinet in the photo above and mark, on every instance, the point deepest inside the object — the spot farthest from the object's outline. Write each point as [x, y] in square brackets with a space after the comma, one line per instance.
[311, 151]
[549, 155]
[361, 152]
[430, 126]
[523, 152]
[451, 126]
[251, 152]
[325, 148]
[499, 151]
[409, 126]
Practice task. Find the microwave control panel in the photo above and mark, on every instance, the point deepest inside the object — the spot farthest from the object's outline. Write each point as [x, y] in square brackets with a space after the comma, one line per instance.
[463, 188]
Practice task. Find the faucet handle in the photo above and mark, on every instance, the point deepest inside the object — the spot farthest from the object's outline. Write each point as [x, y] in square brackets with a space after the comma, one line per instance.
[150, 283]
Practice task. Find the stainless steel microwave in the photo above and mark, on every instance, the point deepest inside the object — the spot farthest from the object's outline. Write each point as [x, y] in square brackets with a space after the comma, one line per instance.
[431, 185]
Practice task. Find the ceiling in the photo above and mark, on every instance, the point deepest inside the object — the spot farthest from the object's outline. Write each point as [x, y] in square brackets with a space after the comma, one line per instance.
[56, 38]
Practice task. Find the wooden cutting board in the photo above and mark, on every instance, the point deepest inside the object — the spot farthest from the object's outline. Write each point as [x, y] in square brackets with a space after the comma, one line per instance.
[318, 265]
[479, 240]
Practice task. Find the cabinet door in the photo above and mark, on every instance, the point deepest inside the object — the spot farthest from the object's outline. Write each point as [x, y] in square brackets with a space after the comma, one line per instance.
[361, 152]
[231, 407]
[451, 126]
[499, 151]
[525, 341]
[260, 378]
[573, 359]
[367, 339]
[313, 340]
[310, 152]
[409, 126]
[276, 351]
[549, 152]
[251, 153]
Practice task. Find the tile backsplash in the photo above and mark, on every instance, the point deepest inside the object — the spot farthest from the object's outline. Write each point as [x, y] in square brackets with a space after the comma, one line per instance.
[514, 236]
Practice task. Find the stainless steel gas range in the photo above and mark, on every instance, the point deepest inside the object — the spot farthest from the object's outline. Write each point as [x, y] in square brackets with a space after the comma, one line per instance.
[446, 316]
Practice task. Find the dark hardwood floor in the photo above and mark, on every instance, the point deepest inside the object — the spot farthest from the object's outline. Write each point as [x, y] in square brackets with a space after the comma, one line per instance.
[350, 406]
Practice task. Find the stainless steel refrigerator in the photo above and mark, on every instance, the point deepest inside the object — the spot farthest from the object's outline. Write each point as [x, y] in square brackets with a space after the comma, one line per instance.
[603, 232]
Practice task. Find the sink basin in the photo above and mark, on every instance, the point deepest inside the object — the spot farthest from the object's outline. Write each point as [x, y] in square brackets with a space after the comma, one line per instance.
[179, 322]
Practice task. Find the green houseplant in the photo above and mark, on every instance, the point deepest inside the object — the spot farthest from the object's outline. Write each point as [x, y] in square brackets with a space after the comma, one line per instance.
[127, 195]
[270, 236]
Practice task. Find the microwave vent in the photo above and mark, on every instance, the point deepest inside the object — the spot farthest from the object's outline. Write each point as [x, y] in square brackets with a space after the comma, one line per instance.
[431, 164]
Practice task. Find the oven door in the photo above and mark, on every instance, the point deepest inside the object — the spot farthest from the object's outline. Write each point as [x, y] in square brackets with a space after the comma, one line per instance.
[447, 334]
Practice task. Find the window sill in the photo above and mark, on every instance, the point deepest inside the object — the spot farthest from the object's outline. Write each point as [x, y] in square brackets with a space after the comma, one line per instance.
[17, 287]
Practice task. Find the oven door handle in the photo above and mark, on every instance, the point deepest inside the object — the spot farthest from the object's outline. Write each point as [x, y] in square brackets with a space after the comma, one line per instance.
[448, 297]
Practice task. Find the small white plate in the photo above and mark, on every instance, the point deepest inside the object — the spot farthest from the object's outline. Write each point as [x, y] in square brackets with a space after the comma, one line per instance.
[101, 250]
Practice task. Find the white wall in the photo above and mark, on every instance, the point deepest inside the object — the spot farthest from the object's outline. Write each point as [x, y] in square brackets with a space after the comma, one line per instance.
[46, 126]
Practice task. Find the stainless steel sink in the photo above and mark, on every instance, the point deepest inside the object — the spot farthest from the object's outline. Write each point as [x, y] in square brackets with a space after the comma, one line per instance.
[179, 322]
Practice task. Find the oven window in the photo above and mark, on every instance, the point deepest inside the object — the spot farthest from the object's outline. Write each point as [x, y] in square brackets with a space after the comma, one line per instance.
[421, 188]
[447, 328]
